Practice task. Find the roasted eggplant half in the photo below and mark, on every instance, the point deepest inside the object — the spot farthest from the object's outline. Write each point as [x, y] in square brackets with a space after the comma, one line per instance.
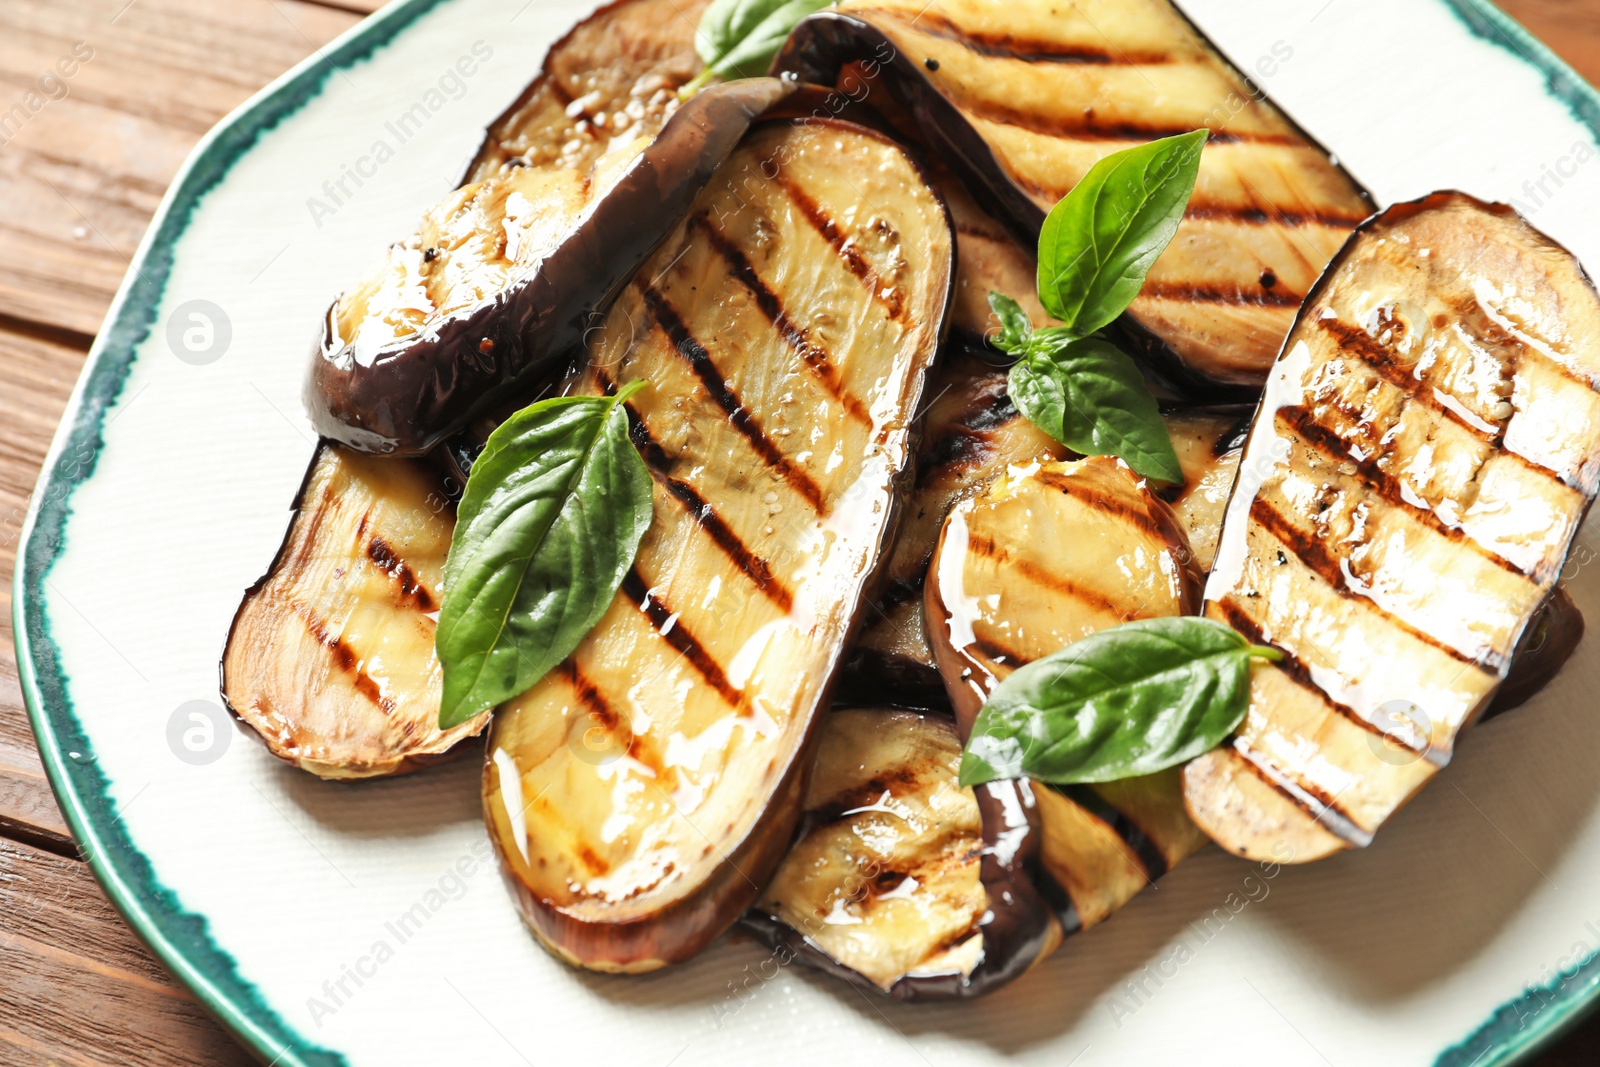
[570, 194]
[1420, 464]
[330, 658]
[641, 794]
[1041, 558]
[901, 881]
[1023, 98]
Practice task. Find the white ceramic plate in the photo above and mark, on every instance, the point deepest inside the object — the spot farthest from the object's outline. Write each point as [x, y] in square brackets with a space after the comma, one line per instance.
[362, 924]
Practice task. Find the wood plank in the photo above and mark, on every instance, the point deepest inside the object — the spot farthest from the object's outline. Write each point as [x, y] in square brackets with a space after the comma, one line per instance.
[79, 988]
[84, 172]
[36, 376]
[1570, 27]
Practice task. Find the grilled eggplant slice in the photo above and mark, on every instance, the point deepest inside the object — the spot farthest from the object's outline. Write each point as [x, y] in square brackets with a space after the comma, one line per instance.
[1022, 98]
[1419, 466]
[330, 658]
[570, 194]
[1040, 559]
[974, 434]
[642, 792]
[971, 433]
[894, 883]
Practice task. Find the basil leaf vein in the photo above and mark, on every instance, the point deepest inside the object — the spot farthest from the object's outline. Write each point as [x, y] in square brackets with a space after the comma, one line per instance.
[1100, 240]
[1128, 701]
[549, 523]
[1089, 395]
[739, 38]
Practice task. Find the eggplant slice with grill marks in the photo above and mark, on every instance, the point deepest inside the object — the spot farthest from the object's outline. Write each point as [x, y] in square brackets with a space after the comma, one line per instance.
[1022, 98]
[642, 792]
[1424, 455]
[330, 658]
[900, 882]
[572, 190]
[1038, 560]
[971, 433]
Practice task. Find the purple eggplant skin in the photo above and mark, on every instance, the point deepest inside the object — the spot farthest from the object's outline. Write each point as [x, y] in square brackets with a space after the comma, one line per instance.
[1550, 640]
[1019, 927]
[418, 391]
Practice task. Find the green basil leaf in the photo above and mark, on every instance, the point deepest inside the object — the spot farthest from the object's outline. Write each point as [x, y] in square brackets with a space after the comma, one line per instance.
[1127, 701]
[1090, 396]
[739, 38]
[1102, 238]
[1014, 323]
[551, 517]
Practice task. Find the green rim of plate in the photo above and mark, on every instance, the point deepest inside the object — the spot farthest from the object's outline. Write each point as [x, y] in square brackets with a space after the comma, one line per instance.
[1521, 1027]
[180, 939]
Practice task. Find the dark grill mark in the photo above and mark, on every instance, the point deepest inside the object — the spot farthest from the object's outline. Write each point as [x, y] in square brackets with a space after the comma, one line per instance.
[991, 408]
[951, 450]
[1259, 217]
[1354, 341]
[1313, 553]
[700, 361]
[678, 636]
[1216, 294]
[1379, 481]
[999, 654]
[1101, 502]
[757, 569]
[1297, 671]
[1089, 128]
[843, 246]
[591, 696]
[1322, 809]
[1139, 845]
[411, 588]
[796, 337]
[967, 229]
[1056, 583]
[346, 659]
[1009, 46]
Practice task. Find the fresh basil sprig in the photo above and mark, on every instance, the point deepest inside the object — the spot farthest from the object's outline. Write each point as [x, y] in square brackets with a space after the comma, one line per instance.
[549, 522]
[1127, 701]
[1096, 247]
[1061, 378]
[739, 38]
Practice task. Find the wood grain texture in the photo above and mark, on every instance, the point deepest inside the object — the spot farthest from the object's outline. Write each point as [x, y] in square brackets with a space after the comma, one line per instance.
[86, 158]
[82, 175]
[79, 988]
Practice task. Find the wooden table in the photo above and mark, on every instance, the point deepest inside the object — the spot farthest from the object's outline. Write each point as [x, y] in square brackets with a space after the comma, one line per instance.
[80, 181]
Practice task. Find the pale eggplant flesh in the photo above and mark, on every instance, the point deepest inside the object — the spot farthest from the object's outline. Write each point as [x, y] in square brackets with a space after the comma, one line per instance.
[330, 658]
[972, 435]
[641, 793]
[1043, 557]
[1419, 466]
[572, 190]
[900, 881]
[1208, 441]
[1023, 98]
